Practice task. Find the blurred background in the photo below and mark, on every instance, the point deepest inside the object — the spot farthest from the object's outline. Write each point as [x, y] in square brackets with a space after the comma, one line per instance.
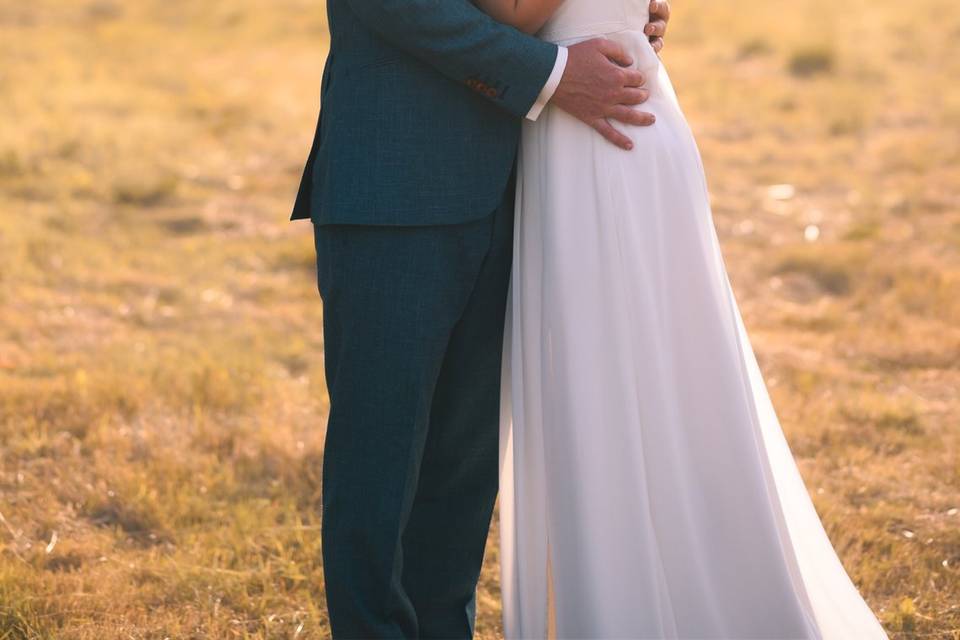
[162, 399]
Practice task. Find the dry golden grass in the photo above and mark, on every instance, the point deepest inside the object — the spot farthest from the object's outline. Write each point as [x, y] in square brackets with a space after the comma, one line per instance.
[161, 390]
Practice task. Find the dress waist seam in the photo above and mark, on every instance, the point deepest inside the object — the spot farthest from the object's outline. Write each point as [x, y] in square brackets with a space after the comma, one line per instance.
[571, 35]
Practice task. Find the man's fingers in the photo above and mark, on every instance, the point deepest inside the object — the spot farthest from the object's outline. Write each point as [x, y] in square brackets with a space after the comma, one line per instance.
[633, 78]
[634, 96]
[615, 53]
[657, 28]
[657, 44]
[605, 129]
[628, 115]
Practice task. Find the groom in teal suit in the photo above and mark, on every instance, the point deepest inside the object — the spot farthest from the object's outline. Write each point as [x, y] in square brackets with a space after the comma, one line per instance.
[409, 185]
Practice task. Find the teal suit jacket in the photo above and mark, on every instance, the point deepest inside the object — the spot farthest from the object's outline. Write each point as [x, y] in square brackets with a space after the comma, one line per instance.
[421, 103]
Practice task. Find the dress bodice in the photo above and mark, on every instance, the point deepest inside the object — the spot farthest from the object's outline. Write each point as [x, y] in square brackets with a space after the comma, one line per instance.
[579, 19]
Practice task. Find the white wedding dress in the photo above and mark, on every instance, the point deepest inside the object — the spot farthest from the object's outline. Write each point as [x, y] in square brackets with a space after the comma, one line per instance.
[647, 490]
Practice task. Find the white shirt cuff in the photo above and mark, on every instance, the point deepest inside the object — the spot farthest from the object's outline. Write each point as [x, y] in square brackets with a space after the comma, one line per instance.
[552, 83]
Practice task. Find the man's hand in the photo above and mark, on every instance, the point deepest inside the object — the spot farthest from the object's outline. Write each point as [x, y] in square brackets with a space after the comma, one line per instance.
[596, 85]
[657, 27]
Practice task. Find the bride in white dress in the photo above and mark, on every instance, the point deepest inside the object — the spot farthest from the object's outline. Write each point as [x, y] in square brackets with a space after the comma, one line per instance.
[647, 490]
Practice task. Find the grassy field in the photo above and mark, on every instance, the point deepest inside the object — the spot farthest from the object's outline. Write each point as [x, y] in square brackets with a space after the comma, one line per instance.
[161, 390]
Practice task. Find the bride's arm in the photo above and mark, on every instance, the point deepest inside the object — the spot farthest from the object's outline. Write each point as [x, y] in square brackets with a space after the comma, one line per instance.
[526, 15]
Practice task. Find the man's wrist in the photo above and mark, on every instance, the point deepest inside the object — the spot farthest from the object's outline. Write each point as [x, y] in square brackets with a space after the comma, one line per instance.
[551, 86]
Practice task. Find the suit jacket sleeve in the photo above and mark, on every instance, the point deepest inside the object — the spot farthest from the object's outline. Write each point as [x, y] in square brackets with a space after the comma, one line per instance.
[465, 44]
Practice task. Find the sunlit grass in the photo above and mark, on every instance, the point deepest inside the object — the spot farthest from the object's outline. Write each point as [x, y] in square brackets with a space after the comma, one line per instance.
[161, 370]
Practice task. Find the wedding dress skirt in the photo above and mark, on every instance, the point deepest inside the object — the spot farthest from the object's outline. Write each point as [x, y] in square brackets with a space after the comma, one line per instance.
[647, 490]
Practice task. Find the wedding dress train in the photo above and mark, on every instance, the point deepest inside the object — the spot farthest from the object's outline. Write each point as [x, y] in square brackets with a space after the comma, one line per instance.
[647, 490]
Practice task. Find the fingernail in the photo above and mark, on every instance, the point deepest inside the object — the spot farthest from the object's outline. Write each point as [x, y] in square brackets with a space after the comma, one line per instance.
[629, 146]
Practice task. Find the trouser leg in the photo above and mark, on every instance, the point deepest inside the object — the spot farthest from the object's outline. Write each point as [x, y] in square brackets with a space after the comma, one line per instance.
[444, 540]
[392, 299]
